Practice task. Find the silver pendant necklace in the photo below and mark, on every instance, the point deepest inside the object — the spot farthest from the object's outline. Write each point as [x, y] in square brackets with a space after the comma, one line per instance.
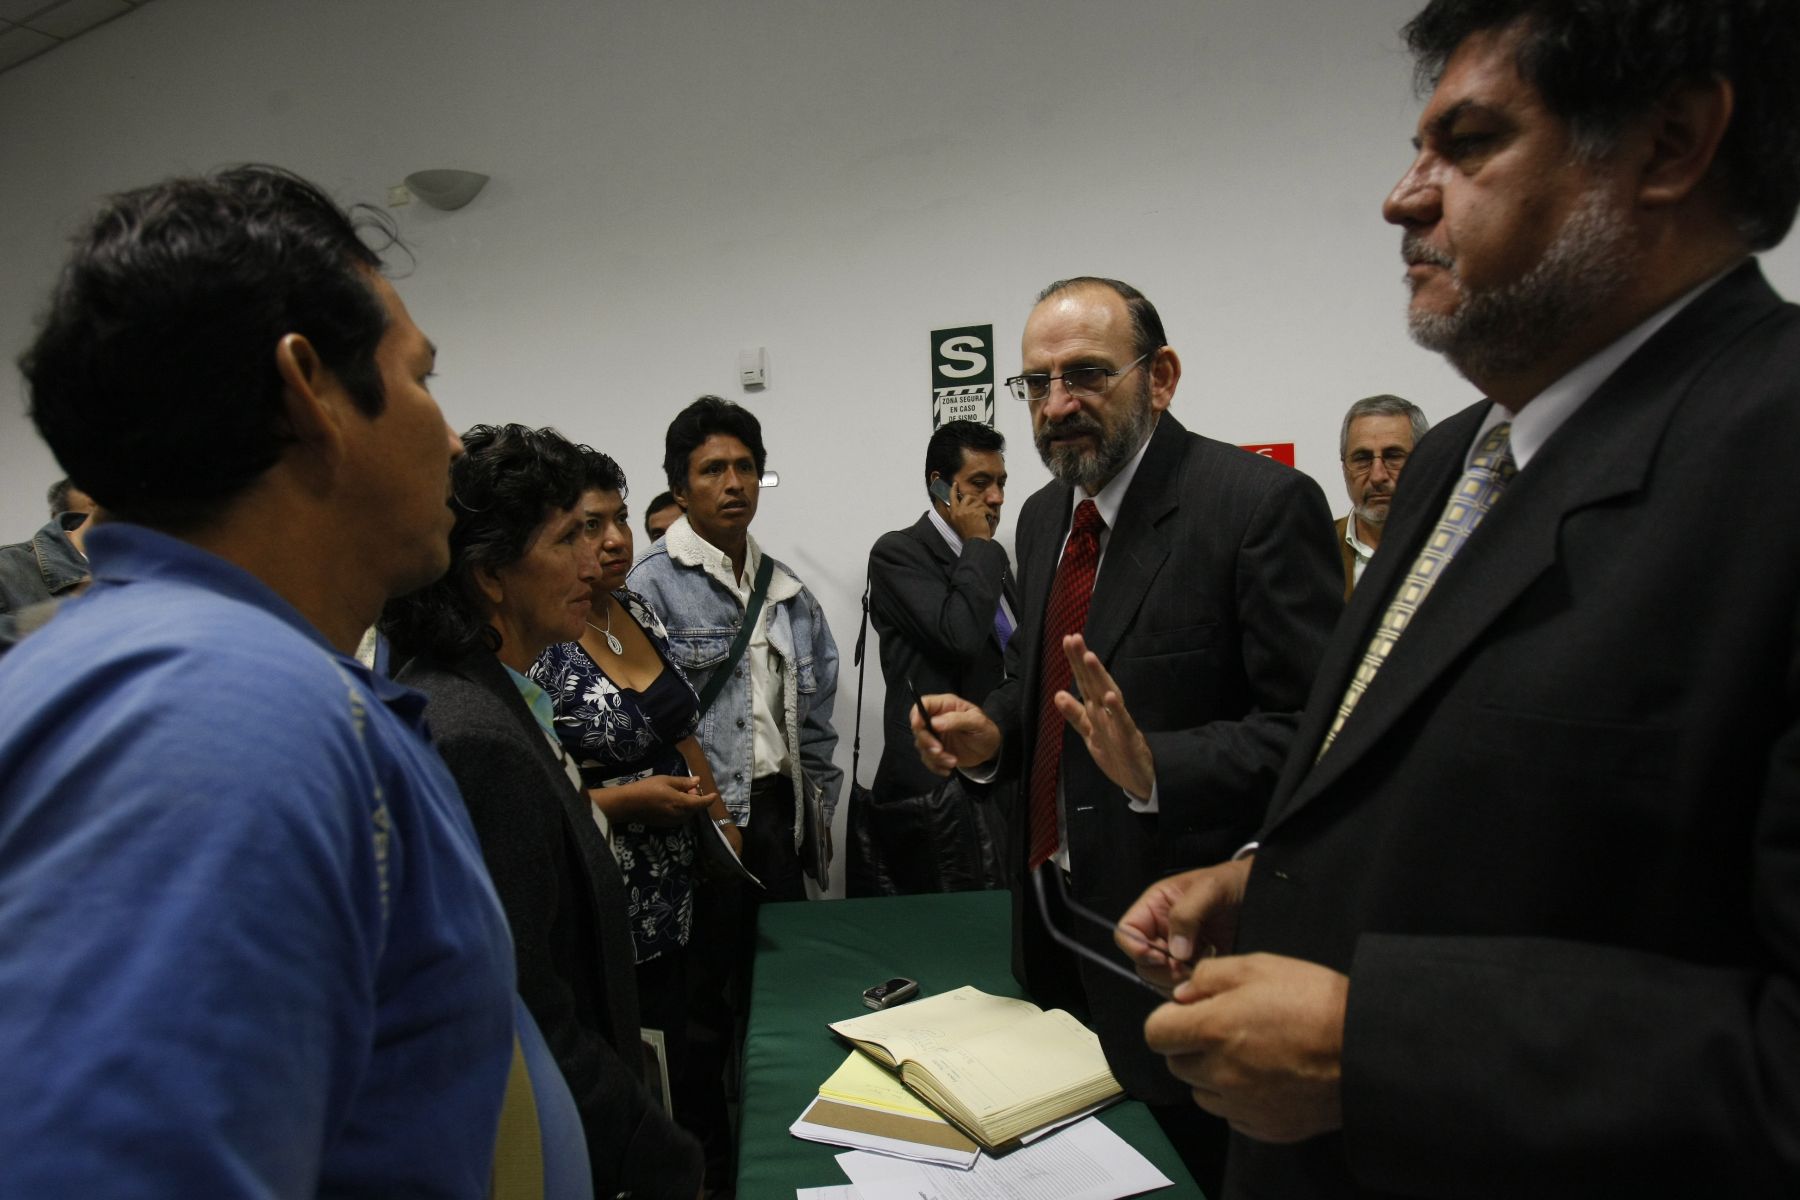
[612, 643]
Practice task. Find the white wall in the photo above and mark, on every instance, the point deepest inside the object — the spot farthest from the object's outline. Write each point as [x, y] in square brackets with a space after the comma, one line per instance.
[831, 179]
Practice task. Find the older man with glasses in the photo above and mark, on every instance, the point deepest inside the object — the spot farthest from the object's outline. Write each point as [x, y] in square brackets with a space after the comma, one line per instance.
[1379, 433]
[1202, 578]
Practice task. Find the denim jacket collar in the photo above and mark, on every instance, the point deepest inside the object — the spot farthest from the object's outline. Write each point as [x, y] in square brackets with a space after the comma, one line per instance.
[60, 563]
[691, 550]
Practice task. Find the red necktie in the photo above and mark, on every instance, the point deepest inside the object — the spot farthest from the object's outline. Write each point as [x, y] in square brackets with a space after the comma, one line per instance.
[1065, 614]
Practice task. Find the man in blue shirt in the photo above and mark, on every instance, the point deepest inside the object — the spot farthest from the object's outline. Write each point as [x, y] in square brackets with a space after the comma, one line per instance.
[247, 944]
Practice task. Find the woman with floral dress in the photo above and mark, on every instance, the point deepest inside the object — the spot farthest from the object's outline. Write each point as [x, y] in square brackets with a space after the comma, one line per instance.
[626, 714]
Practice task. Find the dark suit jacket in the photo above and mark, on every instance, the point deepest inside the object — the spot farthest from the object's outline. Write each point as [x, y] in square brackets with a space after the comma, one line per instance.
[1348, 556]
[565, 902]
[1212, 605]
[1557, 845]
[934, 611]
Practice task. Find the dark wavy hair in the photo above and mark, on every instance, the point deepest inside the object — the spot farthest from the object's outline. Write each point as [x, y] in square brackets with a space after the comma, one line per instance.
[153, 378]
[951, 440]
[600, 472]
[700, 420]
[1146, 322]
[507, 482]
[1599, 63]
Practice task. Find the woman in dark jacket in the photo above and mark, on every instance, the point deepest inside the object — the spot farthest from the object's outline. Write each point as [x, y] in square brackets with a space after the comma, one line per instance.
[521, 578]
[627, 714]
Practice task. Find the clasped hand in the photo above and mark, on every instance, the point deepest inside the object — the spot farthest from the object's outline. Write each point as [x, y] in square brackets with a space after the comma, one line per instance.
[661, 800]
[1258, 1037]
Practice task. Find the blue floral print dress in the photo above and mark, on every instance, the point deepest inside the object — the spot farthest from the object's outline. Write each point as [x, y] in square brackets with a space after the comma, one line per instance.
[618, 735]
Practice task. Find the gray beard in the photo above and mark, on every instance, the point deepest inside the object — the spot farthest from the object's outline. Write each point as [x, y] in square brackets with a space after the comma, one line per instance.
[1372, 516]
[1505, 330]
[1092, 471]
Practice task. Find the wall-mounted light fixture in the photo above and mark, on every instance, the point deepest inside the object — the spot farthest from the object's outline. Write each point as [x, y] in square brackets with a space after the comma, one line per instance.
[446, 188]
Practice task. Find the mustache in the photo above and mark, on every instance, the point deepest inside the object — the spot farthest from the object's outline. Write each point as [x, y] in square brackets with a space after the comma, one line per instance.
[1414, 251]
[1076, 423]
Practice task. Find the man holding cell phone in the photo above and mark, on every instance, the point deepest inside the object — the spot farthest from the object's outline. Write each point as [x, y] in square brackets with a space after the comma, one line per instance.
[941, 598]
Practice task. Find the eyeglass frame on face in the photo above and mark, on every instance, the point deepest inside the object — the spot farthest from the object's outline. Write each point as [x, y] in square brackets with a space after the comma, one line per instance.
[1103, 380]
[1363, 461]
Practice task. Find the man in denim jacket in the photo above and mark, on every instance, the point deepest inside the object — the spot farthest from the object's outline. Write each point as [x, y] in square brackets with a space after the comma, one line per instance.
[50, 566]
[768, 732]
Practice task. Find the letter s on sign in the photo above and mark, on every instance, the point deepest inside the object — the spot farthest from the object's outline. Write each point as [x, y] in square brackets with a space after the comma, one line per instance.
[966, 350]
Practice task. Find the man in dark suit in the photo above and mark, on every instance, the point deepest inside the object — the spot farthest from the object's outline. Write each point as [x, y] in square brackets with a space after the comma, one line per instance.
[1526, 911]
[1377, 437]
[941, 598]
[1203, 577]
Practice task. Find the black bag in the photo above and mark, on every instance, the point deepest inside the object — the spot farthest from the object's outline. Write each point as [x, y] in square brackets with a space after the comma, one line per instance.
[948, 840]
[952, 839]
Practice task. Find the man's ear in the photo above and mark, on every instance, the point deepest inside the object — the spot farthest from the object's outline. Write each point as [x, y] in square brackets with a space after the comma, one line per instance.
[1165, 372]
[1684, 132]
[308, 389]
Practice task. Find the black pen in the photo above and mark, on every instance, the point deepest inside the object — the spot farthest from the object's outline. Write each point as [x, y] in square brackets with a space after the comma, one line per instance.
[919, 702]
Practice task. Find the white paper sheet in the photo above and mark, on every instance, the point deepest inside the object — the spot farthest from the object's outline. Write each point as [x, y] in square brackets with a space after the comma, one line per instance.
[838, 1192]
[1086, 1161]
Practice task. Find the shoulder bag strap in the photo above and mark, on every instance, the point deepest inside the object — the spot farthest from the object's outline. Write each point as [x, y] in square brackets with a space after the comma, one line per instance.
[752, 611]
[862, 638]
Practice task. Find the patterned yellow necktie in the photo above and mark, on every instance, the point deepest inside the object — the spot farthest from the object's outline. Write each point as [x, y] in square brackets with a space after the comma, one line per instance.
[1490, 468]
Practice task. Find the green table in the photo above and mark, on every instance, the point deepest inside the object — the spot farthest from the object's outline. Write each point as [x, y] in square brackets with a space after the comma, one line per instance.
[813, 960]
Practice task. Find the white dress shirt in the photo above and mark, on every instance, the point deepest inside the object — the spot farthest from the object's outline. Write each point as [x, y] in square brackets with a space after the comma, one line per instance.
[768, 745]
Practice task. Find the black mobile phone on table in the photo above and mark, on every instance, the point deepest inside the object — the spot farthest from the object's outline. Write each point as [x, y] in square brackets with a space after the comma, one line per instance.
[897, 990]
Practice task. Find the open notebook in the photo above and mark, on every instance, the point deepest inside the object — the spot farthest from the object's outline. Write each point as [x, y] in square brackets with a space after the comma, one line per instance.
[998, 1068]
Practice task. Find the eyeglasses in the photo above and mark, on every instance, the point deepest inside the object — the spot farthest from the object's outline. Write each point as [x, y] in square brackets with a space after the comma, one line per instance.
[1080, 382]
[1067, 942]
[1363, 461]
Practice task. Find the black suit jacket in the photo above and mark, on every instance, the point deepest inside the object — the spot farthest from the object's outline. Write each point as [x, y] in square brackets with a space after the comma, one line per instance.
[1556, 847]
[565, 903]
[1347, 555]
[934, 612]
[1212, 605]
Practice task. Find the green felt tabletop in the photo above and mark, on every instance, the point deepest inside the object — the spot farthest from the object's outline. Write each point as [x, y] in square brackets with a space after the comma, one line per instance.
[813, 960]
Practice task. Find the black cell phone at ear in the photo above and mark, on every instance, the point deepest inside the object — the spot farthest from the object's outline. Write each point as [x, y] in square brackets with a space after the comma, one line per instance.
[897, 990]
[941, 490]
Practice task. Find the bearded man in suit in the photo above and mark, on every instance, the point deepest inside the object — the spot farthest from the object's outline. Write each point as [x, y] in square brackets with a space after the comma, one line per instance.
[1525, 915]
[1204, 579]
